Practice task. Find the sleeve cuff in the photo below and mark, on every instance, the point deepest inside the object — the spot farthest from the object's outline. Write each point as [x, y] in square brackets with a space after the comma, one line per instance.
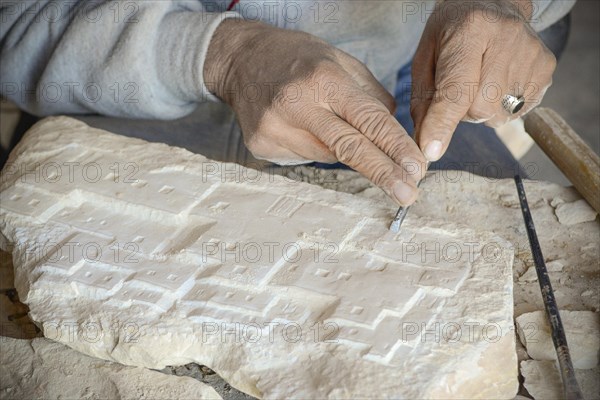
[548, 12]
[208, 34]
[185, 37]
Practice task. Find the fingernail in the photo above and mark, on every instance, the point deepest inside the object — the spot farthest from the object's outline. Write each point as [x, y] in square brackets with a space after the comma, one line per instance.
[433, 151]
[403, 192]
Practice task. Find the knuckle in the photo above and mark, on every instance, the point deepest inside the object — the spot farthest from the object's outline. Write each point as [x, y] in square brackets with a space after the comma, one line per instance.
[398, 149]
[317, 124]
[347, 147]
[281, 101]
[323, 71]
[373, 122]
[352, 61]
[382, 175]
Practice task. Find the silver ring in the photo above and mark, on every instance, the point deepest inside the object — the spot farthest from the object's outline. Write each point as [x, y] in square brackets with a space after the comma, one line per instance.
[513, 104]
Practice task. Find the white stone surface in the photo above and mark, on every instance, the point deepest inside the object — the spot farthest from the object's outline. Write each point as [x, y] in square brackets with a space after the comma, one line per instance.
[543, 381]
[492, 204]
[43, 369]
[555, 266]
[582, 329]
[575, 213]
[149, 255]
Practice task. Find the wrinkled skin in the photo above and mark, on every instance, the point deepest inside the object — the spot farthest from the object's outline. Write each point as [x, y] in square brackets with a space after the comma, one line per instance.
[315, 103]
[470, 55]
[298, 99]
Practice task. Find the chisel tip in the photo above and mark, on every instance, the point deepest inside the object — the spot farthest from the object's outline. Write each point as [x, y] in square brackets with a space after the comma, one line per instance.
[395, 226]
[402, 211]
[398, 219]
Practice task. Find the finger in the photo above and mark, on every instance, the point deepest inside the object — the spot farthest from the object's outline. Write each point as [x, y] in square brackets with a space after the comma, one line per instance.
[532, 91]
[279, 138]
[367, 81]
[373, 88]
[530, 80]
[539, 81]
[487, 105]
[355, 150]
[306, 145]
[457, 71]
[423, 85]
[282, 156]
[273, 152]
[374, 121]
[533, 97]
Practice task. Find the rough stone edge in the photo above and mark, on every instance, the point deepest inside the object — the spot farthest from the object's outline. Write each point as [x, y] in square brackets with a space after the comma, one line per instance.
[22, 148]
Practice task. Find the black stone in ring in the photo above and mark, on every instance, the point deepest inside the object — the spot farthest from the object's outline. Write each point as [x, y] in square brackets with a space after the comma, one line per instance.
[513, 104]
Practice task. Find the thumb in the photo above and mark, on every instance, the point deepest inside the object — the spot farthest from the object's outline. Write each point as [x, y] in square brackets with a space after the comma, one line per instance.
[423, 86]
[453, 95]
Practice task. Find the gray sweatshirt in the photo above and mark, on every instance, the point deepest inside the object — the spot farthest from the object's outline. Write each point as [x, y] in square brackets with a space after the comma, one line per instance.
[144, 59]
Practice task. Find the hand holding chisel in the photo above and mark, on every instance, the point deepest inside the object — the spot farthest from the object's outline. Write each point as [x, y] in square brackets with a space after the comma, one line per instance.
[402, 211]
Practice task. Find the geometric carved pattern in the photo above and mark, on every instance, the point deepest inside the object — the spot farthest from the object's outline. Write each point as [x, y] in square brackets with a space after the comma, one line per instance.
[171, 236]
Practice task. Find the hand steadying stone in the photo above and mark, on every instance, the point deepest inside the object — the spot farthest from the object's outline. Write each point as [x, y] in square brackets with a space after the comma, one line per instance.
[471, 54]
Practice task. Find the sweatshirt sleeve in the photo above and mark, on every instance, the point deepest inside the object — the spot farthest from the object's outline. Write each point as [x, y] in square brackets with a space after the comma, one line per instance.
[136, 59]
[547, 12]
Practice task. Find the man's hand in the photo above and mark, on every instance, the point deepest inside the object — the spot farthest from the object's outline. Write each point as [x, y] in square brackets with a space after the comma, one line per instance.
[472, 54]
[299, 99]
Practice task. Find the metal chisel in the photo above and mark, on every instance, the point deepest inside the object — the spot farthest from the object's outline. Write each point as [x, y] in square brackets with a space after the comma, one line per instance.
[402, 211]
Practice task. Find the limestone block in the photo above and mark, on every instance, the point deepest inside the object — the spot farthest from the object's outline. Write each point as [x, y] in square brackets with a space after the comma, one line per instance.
[543, 381]
[44, 369]
[551, 266]
[575, 213]
[149, 255]
[555, 265]
[492, 204]
[583, 336]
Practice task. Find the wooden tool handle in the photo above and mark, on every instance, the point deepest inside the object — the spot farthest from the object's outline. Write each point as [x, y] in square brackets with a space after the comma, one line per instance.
[579, 163]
